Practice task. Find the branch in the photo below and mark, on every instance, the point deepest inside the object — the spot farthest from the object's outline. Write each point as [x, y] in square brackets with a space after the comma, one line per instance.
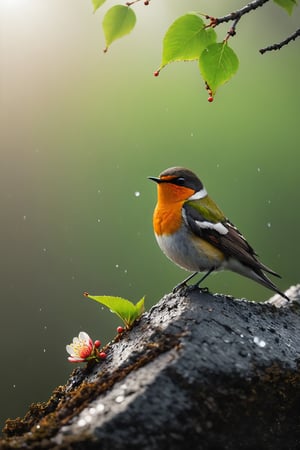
[239, 12]
[281, 44]
[235, 16]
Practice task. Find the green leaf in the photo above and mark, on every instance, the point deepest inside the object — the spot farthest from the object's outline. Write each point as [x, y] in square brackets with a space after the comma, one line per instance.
[140, 306]
[186, 39]
[118, 21]
[97, 4]
[288, 5]
[218, 63]
[125, 309]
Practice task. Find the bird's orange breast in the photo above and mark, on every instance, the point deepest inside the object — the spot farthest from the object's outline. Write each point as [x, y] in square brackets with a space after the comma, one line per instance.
[167, 218]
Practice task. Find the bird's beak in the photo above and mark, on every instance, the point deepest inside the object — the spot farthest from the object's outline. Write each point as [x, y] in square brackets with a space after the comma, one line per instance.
[156, 179]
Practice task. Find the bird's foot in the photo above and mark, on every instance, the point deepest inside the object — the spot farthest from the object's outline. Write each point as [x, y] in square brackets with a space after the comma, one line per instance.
[205, 290]
[179, 287]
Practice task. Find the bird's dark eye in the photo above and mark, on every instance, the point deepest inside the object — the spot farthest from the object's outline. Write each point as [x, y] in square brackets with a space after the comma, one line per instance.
[180, 181]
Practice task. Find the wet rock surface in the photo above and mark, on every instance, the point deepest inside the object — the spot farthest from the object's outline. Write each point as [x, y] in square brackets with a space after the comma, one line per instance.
[199, 370]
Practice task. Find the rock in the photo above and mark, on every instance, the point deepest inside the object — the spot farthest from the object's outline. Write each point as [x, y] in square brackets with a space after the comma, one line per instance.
[198, 371]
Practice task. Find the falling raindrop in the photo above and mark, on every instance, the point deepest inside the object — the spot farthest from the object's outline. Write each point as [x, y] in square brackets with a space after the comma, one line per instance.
[258, 169]
[24, 217]
[269, 224]
[98, 220]
[137, 193]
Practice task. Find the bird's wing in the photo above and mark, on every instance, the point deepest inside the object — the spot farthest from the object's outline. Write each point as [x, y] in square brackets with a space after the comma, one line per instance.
[222, 234]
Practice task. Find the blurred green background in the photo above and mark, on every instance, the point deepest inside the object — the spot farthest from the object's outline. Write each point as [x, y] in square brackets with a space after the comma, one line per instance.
[81, 131]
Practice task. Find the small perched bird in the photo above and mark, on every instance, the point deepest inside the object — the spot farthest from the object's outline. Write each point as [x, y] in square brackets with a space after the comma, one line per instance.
[194, 233]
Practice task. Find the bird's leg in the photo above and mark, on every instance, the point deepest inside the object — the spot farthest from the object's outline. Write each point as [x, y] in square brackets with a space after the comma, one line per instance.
[183, 283]
[204, 276]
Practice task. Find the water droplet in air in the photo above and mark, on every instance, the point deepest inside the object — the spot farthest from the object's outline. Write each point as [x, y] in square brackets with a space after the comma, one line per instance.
[119, 399]
[117, 266]
[98, 220]
[269, 224]
[24, 217]
[137, 193]
[258, 169]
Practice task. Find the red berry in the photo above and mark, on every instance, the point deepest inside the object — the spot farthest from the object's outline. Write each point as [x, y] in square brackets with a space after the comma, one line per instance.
[210, 98]
[102, 355]
[156, 73]
[120, 329]
[97, 343]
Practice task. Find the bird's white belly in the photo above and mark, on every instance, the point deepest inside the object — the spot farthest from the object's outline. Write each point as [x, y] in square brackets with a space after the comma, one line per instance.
[190, 253]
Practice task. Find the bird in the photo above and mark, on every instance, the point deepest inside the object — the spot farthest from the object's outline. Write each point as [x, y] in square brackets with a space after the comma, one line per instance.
[194, 233]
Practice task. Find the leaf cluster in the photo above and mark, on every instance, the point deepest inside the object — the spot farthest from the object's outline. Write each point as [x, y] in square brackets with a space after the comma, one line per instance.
[192, 38]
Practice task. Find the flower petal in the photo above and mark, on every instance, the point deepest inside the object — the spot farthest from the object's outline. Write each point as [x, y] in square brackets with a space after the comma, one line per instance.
[84, 337]
[75, 360]
[70, 349]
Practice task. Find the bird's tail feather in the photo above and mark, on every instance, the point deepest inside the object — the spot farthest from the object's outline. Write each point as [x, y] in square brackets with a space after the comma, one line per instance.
[265, 281]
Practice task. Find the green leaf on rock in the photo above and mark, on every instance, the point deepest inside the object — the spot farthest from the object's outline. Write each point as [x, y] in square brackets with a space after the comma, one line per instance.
[97, 4]
[218, 63]
[186, 39]
[288, 5]
[118, 21]
[125, 309]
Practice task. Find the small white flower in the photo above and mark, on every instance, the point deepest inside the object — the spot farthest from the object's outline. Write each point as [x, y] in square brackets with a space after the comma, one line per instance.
[81, 348]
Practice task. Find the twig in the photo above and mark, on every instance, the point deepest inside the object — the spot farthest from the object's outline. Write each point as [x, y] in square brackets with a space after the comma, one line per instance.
[238, 13]
[235, 16]
[232, 31]
[281, 44]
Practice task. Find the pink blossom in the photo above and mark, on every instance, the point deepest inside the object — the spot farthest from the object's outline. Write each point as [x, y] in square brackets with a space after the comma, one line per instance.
[81, 349]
